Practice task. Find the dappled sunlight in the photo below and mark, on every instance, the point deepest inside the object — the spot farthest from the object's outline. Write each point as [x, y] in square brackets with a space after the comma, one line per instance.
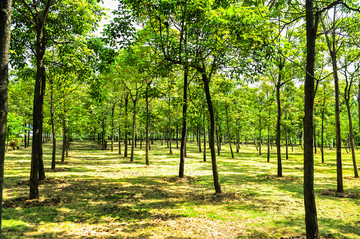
[98, 193]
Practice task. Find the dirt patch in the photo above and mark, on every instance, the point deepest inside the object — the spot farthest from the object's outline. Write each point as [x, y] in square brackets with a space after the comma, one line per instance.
[43, 182]
[351, 178]
[222, 197]
[286, 178]
[186, 179]
[333, 193]
[296, 237]
[300, 168]
[41, 202]
[56, 170]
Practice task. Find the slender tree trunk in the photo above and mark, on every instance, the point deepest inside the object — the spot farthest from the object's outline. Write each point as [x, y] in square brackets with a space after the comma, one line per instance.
[198, 137]
[5, 23]
[268, 143]
[228, 130]
[312, 229]
[103, 147]
[170, 132]
[351, 137]
[315, 148]
[53, 132]
[333, 54]
[147, 140]
[112, 127]
[260, 126]
[278, 126]
[204, 155]
[64, 140]
[25, 134]
[177, 136]
[322, 131]
[218, 143]
[37, 171]
[184, 123]
[126, 126]
[286, 137]
[206, 82]
[133, 131]
[121, 101]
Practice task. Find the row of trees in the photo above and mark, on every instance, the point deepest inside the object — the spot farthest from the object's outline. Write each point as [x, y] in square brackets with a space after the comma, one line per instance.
[244, 59]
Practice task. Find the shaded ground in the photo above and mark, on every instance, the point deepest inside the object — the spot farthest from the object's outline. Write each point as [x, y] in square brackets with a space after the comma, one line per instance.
[99, 194]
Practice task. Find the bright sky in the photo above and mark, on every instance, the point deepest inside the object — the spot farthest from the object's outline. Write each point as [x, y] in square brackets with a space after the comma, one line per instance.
[110, 5]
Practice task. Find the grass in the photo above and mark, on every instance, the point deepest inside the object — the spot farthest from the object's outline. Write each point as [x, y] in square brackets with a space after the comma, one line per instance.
[98, 193]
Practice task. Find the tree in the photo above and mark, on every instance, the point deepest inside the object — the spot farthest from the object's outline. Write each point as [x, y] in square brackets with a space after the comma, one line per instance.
[46, 22]
[5, 23]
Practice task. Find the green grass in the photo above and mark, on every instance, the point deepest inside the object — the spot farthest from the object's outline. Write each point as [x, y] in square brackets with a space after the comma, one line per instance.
[100, 194]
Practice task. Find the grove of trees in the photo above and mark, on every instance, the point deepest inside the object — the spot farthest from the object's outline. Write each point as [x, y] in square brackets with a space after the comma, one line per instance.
[267, 73]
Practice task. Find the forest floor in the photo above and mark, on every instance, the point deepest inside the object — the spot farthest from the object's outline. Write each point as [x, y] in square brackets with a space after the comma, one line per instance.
[99, 194]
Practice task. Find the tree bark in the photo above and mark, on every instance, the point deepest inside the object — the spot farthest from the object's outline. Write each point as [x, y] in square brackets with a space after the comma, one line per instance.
[126, 126]
[278, 125]
[147, 140]
[36, 172]
[351, 137]
[184, 123]
[228, 130]
[260, 126]
[112, 127]
[5, 32]
[120, 126]
[286, 137]
[322, 129]
[204, 155]
[312, 229]
[268, 143]
[333, 54]
[133, 130]
[206, 82]
[53, 132]
[170, 133]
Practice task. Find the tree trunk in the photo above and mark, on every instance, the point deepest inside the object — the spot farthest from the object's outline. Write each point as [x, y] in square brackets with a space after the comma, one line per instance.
[204, 155]
[322, 130]
[5, 23]
[112, 127]
[170, 133]
[351, 136]
[126, 126]
[147, 140]
[37, 164]
[268, 143]
[278, 124]
[53, 132]
[260, 133]
[333, 54]
[286, 137]
[184, 123]
[198, 138]
[25, 134]
[315, 148]
[218, 143]
[120, 126]
[103, 147]
[206, 82]
[133, 131]
[228, 130]
[64, 141]
[312, 229]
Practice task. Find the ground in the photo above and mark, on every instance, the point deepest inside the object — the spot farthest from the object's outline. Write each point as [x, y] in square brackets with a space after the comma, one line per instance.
[99, 194]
